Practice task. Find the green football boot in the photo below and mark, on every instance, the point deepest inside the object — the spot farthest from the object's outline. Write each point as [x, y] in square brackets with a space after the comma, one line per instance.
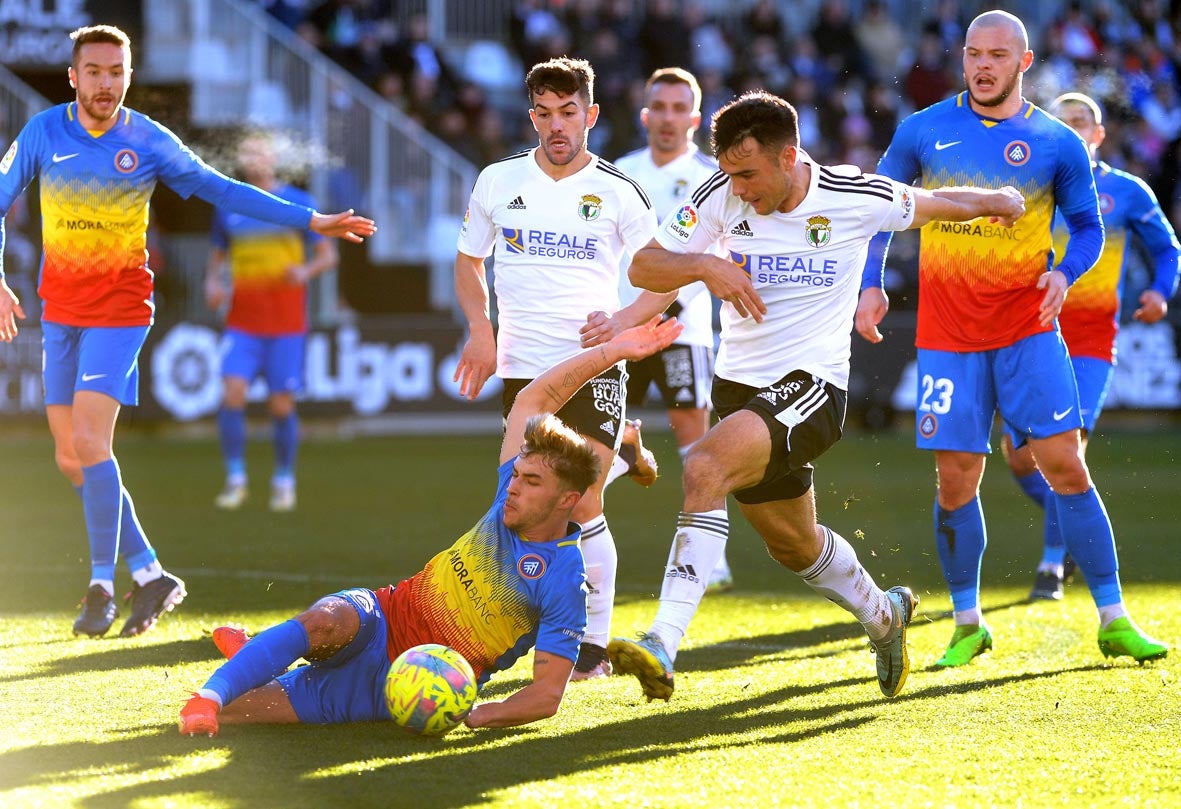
[1123, 638]
[967, 641]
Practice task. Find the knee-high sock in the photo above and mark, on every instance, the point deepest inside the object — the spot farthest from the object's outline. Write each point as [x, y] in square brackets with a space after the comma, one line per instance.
[286, 431]
[102, 506]
[700, 541]
[1053, 545]
[264, 658]
[137, 552]
[598, 552]
[231, 431]
[838, 576]
[1091, 542]
[960, 538]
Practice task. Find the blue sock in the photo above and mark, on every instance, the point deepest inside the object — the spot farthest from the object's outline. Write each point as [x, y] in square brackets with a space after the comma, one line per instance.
[1091, 542]
[1053, 546]
[137, 551]
[264, 658]
[102, 504]
[286, 443]
[231, 430]
[960, 538]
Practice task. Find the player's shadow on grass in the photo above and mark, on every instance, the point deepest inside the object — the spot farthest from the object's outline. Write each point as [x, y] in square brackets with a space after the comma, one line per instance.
[363, 763]
[119, 654]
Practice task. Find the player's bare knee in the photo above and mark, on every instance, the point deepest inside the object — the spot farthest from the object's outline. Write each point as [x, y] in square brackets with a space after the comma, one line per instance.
[331, 623]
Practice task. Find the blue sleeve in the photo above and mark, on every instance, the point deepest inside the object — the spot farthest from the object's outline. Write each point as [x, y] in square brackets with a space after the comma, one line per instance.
[187, 174]
[875, 262]
[1085, 243]
[1153, 228]
[18, 167]
[901, 163]
[223, 192]
[562, 622]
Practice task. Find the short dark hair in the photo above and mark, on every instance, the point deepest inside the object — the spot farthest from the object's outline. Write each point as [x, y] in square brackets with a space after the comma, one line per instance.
[563, 450]
[674, 75]
[562, 76]
[107, 34]
[767, 118]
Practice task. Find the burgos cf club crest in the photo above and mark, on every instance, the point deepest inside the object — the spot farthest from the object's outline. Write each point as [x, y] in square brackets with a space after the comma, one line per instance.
[589, 207]
[818, 230]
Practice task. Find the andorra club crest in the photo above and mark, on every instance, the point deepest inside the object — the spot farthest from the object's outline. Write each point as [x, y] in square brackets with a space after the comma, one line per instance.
[818, 231]
[589, 207]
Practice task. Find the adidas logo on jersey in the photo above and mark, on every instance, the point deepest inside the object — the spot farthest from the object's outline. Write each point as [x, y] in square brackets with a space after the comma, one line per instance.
[607, 427]
[517, 204]
[742, 229]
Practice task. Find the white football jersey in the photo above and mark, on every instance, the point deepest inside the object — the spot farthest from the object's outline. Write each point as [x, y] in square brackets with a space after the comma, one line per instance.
[559, 244]
[667, 187]
[806, 265]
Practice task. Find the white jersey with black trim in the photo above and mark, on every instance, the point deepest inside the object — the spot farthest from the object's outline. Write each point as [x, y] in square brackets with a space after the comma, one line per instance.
[559, 244]
[806, 265]
[667, 187]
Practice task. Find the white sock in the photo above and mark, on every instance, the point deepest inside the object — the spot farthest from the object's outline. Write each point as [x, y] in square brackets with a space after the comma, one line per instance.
[598, 553]
[969, 617]
[106, 584]
[1111, 612]
[213, 695]
[838, 576]
[618, 469]
[236, 479]
[1058, 570]
[697, 546]
[147, 573]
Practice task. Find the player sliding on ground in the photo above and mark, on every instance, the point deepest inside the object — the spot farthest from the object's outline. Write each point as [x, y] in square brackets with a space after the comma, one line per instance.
[523, 584]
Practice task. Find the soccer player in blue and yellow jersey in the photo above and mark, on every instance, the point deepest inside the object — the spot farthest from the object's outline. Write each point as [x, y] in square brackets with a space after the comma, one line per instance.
[266, 325]
[515, 581]
[98, 163]
[1090, 315]
[988, 337]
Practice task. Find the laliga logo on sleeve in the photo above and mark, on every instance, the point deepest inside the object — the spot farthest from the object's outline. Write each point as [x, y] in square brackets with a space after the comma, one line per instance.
[683, 223]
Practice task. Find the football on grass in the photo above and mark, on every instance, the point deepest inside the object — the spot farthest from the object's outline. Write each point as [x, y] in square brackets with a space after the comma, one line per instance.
[430, 689]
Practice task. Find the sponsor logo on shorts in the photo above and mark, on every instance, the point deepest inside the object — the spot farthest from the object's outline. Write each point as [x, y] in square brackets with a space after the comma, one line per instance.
[928, 425]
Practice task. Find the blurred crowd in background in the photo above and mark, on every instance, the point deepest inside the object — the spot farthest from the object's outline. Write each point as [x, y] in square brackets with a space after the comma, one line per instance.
[853, 70]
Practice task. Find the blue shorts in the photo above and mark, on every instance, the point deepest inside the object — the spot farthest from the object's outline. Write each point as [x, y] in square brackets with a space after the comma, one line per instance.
[1030, 382]
[1093, 377]
[104, 359]
[350, 685]
[278, 359]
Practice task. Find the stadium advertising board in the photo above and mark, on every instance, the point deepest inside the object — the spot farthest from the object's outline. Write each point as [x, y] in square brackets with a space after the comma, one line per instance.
[34, 34]
[391, 367]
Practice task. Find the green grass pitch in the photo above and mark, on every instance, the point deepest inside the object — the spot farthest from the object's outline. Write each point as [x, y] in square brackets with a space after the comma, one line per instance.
[776, 702]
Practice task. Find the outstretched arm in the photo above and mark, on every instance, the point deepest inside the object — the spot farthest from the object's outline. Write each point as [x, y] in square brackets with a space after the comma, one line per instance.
[344, 225]
[548, 392]
[538, 700]
[1003, 206]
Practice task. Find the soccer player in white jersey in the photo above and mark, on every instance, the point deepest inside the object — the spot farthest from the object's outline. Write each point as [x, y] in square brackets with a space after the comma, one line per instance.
[796, 236]
[560, 220]
[668, 168]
